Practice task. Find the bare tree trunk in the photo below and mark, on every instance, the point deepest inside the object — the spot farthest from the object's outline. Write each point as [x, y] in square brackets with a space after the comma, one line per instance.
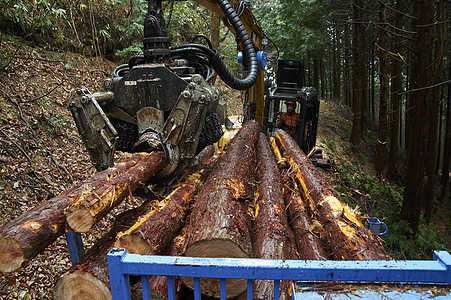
[395, 98]
[357, 74]
[447, 159]
[322, 78]
[416, 157]
[432, 144]
[383, 94]
[337, 67]
[316, 73]
[214, 33]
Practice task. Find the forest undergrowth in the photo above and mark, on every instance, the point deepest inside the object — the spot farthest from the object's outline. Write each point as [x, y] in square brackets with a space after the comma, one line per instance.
[352, 176]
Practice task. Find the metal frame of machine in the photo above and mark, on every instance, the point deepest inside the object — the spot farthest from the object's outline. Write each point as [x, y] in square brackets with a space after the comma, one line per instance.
[122, 264]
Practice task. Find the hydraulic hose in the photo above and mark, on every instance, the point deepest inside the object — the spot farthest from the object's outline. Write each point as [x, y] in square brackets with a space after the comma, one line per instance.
[248, 49]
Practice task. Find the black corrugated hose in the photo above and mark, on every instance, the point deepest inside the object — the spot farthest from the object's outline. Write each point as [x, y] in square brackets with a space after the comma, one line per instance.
[216, 61]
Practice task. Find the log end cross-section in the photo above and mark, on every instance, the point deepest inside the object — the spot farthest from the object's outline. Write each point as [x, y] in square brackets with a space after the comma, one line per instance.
[104, 195]
[12, 256]
[81, 285]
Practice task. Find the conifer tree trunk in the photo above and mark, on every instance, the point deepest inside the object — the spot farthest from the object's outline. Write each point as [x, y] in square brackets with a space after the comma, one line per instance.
[383, 94]
[447, 159]
[214, 33]
[432, 150]
[411, 207]
[396, 86]
[337, 69]
[357, 76]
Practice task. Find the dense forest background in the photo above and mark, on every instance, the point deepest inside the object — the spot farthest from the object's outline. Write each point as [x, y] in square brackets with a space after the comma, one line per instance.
[389, 61]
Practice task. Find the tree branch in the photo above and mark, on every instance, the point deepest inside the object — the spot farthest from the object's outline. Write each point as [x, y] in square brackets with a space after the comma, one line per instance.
[426, 87]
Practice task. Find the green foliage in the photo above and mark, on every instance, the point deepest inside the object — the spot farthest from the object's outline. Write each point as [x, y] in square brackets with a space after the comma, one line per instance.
[185, 20]
[299, 28]
[126, 53]
[330, 145]
[384, 201]
[6, 53]
[57, 120]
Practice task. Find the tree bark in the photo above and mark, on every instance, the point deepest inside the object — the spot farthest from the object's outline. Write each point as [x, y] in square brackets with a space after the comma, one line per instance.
[447, 159]
[357, 74]
[158, 284]
[272, 236]
[219, 225]
[82, 214]
[346, 237]
[30, 233]
[307, 232]
[383, 95]
[155, 230]
[413, 192]
[432, 144]
[281, 161]
[214, 34]
[395, 98]
[337, 65]
[89, 278]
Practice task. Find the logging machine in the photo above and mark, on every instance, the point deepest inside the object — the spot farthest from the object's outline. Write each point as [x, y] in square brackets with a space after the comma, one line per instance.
[164, 98]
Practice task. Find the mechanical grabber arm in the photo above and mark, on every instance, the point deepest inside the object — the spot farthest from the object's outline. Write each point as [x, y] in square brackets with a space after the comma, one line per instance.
[162, 98]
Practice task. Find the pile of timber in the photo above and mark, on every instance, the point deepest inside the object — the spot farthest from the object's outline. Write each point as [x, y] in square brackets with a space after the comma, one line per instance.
[256, 199]
[29, 234]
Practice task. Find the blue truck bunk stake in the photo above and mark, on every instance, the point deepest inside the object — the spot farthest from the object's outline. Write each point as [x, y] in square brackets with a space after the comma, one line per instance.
[75, 244]
[122, 264]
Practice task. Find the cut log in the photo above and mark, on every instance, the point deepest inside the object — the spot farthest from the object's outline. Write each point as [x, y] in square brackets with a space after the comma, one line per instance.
[29, 234]
[307, 233]
[82, 214]
[321, 162]
[89, 278]
[158, 284]
[154, 231]
[345, 235]
[219, 225]
[272, 236]
[281, 161]
[152, 234]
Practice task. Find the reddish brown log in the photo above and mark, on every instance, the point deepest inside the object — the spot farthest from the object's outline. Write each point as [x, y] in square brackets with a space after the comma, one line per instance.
[30, 233]
[272, 235]
[158, 284]
[219, 226]
[154, 231]
[82, 214]
[307, 232]
[345, 235]
[89, 278]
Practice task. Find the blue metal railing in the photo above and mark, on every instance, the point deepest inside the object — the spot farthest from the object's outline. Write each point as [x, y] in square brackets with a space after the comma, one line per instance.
[122, 264]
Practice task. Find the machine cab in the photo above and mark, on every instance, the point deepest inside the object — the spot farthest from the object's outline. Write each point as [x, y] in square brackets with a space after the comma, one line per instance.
[301, 119]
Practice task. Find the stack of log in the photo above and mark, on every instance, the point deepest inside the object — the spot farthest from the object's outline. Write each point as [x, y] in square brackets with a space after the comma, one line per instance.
[29, 234]
[256, 199]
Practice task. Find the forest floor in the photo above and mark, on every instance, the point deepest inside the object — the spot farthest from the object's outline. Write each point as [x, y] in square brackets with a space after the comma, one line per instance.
[41, 153]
